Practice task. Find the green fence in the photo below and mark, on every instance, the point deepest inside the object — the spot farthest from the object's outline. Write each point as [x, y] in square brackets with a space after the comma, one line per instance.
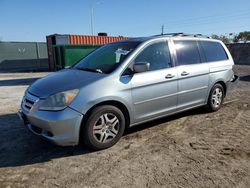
[68, 55]
[23, 56]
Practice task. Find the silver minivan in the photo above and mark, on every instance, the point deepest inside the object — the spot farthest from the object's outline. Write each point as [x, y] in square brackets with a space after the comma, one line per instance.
[126, 83]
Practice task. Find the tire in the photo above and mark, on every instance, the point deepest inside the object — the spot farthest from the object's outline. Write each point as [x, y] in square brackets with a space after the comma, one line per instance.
[103, 128]
[216, 98]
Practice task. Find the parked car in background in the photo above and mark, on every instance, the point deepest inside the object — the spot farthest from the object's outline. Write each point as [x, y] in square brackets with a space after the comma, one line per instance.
[125, 83]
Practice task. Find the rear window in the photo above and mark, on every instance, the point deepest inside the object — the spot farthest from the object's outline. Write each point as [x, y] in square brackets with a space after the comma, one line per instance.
[213, 51]
[187, 52]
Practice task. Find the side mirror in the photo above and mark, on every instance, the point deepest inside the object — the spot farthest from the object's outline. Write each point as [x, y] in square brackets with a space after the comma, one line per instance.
[141, 67]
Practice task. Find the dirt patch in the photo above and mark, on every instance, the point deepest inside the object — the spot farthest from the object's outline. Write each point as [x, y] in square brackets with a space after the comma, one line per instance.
[191, 149]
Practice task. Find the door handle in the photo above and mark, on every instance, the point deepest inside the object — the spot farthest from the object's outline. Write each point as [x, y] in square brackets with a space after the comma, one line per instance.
[184, 73]
[169, 76]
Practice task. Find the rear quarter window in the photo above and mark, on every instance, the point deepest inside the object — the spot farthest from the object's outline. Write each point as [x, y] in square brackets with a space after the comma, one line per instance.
[213, 51]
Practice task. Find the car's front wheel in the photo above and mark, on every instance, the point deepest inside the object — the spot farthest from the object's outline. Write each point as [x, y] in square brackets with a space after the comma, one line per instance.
[103, 128]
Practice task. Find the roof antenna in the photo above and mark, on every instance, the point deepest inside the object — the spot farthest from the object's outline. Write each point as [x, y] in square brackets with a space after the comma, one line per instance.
[162, 29]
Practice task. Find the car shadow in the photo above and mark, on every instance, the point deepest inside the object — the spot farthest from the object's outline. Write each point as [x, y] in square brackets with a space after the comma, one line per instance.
[19, 147]
[18, 82]
[161, 121]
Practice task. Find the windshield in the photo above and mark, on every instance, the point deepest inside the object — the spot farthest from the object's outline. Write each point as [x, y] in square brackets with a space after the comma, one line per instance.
[107, 58]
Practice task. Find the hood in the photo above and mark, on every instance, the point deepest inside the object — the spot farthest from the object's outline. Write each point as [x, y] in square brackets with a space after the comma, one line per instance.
[62, 81]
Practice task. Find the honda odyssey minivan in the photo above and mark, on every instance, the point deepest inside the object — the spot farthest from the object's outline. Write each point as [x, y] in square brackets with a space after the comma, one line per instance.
[123, 84]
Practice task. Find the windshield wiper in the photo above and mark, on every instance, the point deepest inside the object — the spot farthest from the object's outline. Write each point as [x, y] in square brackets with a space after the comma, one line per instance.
[91, 70]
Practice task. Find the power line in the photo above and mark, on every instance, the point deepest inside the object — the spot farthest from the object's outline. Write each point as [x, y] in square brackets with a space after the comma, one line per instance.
[225, 27]
[210, 21]
[232, 17]
[190, 24]
[210, 17]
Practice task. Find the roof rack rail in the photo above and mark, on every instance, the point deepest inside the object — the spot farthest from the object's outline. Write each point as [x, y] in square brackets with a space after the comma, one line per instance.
[200, 35]
[168, 34]
[183, 35]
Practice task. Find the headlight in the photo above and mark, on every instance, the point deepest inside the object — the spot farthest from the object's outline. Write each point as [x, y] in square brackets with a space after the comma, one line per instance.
[59, 101]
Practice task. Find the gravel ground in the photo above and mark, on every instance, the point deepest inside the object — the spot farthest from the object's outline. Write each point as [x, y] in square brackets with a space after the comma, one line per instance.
[191, 149]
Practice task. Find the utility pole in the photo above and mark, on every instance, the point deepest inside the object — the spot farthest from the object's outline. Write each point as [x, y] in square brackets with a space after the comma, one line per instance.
[92, 16]
[162, 29]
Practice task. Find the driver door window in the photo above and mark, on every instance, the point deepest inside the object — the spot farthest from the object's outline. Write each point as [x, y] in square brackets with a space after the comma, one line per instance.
[157, 55]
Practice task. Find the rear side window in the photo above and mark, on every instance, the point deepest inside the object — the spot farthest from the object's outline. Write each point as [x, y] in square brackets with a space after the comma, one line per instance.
[213, 51]
[187, 52]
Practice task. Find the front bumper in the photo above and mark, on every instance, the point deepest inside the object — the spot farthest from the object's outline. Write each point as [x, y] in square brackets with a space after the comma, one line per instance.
[60, 127]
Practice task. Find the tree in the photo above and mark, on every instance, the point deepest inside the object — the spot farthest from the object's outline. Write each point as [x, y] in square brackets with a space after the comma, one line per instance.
[232, 37]
[223, 38]
[236, 39]
[244, 36]
[214, 36]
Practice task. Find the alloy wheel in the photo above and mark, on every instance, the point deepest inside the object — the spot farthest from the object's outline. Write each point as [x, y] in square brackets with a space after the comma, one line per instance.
[217, 97]
[106, 128]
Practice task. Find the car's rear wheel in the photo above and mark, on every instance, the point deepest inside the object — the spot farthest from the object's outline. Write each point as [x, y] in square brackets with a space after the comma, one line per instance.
[216, 98]
[103, 128]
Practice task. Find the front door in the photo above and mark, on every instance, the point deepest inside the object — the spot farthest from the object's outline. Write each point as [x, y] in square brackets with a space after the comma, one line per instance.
[154, 92]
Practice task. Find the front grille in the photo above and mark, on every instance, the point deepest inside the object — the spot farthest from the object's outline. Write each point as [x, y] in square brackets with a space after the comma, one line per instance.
[28, 101]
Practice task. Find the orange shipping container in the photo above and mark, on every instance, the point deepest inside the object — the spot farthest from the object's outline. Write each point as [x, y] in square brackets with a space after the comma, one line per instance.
[56, 39]
[93, 40]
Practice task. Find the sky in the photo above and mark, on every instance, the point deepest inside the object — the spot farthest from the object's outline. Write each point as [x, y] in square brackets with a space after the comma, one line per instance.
[32, 20]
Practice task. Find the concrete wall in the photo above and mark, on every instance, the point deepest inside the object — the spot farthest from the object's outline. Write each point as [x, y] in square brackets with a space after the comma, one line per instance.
[240, 53]
[23, 56]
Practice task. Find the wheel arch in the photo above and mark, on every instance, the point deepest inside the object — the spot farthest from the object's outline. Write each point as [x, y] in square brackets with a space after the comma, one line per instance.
[115, 103]
[223, 84]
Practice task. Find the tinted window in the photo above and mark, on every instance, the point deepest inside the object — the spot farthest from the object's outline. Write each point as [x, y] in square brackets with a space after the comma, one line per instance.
[157, 55]
[213, 51]
[187, 52]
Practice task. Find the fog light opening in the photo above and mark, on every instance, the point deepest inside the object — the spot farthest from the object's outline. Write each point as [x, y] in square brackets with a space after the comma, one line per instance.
[49, 134]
